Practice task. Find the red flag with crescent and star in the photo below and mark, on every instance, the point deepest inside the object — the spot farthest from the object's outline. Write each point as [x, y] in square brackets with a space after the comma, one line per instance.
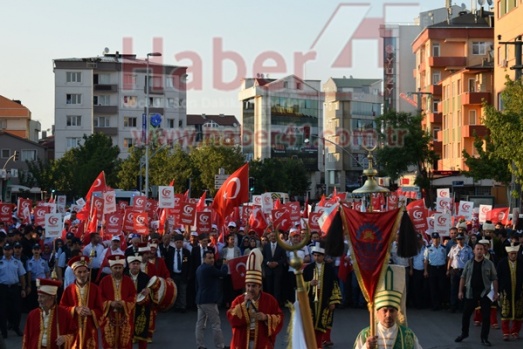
[370, 237]
[238, 270]
[233, 192]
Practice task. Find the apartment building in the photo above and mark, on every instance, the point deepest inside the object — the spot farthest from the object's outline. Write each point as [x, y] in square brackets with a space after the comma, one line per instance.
[15, 118]
[108, 94]
[453, 75]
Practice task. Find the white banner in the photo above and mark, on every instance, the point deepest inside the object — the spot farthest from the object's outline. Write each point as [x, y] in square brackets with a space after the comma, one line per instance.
[465, 209]
[53, 225]
[442, 223]
[165, 197]
[266, 203]
[443, 193]
[444, 205]
[109, 201]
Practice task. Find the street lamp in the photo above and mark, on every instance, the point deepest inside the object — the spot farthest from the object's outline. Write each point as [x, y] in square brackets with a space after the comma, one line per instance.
[147, 82]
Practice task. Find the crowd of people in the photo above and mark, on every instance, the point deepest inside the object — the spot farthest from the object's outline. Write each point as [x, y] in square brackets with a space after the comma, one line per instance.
[103, 282]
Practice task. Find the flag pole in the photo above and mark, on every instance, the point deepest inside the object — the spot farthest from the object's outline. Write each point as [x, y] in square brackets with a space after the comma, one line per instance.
[301, 291]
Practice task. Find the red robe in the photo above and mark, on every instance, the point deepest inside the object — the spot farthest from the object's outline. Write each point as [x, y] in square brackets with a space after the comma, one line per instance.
[160, 268]
[264, 332]
[87, 335]
[60, 324]
[117, 326]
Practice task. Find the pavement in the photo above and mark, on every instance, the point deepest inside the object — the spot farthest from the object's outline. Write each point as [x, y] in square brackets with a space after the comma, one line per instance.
[434, 329]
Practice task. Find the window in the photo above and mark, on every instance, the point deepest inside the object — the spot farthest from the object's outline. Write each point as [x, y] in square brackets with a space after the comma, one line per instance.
[480, 47]
[101, 121]
[436, 78]
[74, 120]
[472, 85]
[129, 81]
[459, 86]
[154, 81]
[298, 86]
[73, 76]
[435, 49]
[102, 100]
[472, 117]
[155, 102]
[130, 101]
[73, 98]
[435, 105]
[435, 133]
[127, 143]
[171, 123]
[28, 155]
[103, 79]
[72, 142]
[129, 121]
[6, 153]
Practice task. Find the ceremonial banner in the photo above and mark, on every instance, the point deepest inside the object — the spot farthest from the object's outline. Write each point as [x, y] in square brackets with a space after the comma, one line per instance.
[6, 213]
[370, 236]
[109, 202]
[53, 225]
[166, 199]
[238, 269]
[203, 222]
[114, 223]
[483, 210]
[465, 209]
[233, 192]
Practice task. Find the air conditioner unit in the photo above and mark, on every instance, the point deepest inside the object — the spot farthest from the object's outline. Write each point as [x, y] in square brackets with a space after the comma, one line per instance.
[3, 173]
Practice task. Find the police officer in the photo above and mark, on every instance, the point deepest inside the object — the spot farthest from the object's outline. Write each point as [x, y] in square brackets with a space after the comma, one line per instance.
[458, 255]
[435, 268]
[12, 290]
[37, 268]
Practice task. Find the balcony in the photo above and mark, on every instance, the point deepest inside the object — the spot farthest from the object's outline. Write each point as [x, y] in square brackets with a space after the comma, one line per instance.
[443, 62]
[105, 109]
[437, 146]
[470, 131]
[475, 97]
[108, 131]
[153, 110]
[106, 88]
[435, 90]
[435, 118]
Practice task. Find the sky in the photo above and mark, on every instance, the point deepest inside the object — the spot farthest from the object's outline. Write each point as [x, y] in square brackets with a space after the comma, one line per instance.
[231, 39]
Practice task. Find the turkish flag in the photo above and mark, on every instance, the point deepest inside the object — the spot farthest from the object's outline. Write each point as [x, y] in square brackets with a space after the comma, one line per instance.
[93, 220]
[238, 269]
[98, 185]
[233, 192]
[499, 215]
[200, 206]
[257, 221]
[281, 219]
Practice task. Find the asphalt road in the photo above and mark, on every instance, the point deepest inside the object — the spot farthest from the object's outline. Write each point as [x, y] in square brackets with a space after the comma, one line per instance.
[434, 330]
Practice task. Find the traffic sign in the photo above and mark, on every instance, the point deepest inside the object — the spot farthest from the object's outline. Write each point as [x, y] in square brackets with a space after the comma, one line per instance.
[219, 179]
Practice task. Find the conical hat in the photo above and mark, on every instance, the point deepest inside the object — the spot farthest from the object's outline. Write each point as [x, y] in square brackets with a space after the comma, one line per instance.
[390, 290]
[254, 267]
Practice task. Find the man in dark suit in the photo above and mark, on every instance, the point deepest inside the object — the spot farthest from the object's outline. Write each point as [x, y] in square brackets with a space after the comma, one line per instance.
[196, 259]
[179, 268]
[133, 247]
[274, 263]
[167, 251]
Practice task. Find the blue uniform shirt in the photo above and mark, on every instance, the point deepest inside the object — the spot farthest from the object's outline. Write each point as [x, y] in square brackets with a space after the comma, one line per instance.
[436, 256]
[460, 256]
[38, 268]
[10, 271]
[417, 260]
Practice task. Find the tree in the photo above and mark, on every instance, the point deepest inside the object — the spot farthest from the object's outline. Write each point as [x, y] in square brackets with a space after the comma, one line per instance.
[39, 173]
[506, 128]
[279, 175]
[406, 144]
[486, 164]
[78, 168]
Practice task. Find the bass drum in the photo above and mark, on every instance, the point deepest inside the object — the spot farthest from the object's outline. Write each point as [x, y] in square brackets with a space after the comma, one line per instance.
[166, 295]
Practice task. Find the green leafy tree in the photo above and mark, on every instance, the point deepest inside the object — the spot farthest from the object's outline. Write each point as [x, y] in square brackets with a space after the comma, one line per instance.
[280, 175]
[39, 174]
[406, 144]
[78, 168]
[506, 128]
[486, 164]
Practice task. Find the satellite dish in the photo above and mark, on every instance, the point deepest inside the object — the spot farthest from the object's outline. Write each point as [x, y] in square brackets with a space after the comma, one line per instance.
[489, 2]
[481, 2]
[106, 50]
